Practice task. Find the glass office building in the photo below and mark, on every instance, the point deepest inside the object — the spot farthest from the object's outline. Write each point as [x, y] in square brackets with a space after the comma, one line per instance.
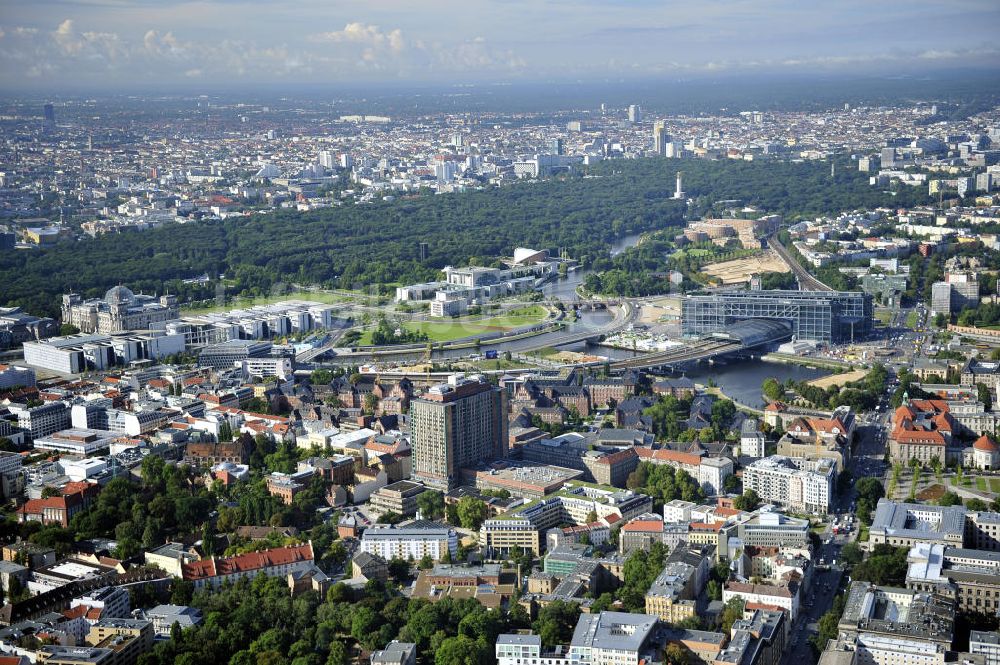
[815, 316]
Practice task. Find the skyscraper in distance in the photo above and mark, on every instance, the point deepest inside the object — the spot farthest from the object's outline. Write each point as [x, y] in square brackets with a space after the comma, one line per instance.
[50, 116]
[660, 137]
[456, 425]
[634, 114]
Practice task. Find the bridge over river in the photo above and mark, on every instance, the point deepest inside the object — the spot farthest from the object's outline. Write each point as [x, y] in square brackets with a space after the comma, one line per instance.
[742, 336]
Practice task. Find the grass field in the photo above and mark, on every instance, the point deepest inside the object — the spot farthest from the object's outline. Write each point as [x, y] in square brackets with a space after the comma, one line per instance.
[883, 316]
[239, 303]
[911, 320]
[450, 329]
[995, 485]
[981, 484]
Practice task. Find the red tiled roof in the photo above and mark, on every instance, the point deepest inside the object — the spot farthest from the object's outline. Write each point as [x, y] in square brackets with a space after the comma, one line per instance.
[619, 456]
[668, 456]
[918, 436]
[644, 525]
[706, 526]
[250, 561]
[986, 444]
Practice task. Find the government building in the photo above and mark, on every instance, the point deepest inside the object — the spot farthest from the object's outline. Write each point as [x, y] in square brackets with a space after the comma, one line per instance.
[119, 311]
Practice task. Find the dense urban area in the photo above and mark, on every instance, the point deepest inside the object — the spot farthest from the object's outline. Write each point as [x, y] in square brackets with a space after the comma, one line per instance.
[326, 383]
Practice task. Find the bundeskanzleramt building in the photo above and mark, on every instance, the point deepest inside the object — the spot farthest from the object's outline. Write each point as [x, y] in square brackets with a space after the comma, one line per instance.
[455, 425]
[816, 316]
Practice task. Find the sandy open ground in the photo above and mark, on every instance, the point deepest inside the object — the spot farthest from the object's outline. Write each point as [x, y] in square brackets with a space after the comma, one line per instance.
[660, 310]
[839, 379]
[740, 270]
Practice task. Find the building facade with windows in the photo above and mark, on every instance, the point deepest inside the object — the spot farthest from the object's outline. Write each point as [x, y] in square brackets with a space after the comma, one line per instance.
[460, 424]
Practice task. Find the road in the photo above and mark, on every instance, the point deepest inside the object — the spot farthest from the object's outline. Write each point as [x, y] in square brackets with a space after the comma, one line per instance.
[815, 604]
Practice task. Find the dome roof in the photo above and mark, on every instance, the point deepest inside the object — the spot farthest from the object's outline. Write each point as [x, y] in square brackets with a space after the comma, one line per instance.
[986, 444]
[119, 295]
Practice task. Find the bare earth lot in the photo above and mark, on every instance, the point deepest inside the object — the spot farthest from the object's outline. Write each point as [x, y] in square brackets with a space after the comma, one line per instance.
[740, 270]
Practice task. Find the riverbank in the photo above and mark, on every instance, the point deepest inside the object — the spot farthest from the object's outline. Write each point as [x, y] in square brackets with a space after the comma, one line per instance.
[818, 363]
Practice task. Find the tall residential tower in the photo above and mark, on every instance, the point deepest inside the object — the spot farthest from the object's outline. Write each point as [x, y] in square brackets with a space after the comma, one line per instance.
[455, 425]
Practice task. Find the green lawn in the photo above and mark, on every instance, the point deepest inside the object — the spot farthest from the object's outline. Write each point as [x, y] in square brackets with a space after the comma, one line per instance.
[448, 330]
[238, 303]
[995, 485]
[883, 316]
[981, 484]
[911, 320]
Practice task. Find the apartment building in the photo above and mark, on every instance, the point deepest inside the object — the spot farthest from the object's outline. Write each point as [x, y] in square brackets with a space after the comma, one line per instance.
[410, 540]
[455, 425]
[278, 562]
[525, 525]
[674, 592]
[987, 644]
[608, 638]
[41, 420]
[796, 483]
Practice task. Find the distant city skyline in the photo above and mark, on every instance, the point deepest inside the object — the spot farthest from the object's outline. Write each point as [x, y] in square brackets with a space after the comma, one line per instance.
[108, 44]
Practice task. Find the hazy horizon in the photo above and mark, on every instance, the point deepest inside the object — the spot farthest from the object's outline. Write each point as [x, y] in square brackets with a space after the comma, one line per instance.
[49, 45]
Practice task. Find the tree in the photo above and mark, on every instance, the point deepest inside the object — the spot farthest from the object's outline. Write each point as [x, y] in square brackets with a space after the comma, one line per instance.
[556, 622]
[68, 329]
[731, 613]
[426, 562]
[431, 504]
[338, 654]
[399, 569]
[460, 650]
[885, 565]
[472, 512]
[772, 389]
[747, 501]
[675, 654]
[321, 377]
[851, 554]
[985, 396]
[950, 499]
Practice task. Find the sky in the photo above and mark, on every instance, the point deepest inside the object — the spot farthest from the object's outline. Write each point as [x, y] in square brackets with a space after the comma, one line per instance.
[121, 44]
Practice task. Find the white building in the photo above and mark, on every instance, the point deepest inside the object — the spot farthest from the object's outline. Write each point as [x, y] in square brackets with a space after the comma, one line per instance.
[412, 540]
[76, 441]
[79, 470]
[43, 419]
[785, 596]
[796, 483]
[75, 354]
[608, 638]
[987, 644]
[752, 441]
